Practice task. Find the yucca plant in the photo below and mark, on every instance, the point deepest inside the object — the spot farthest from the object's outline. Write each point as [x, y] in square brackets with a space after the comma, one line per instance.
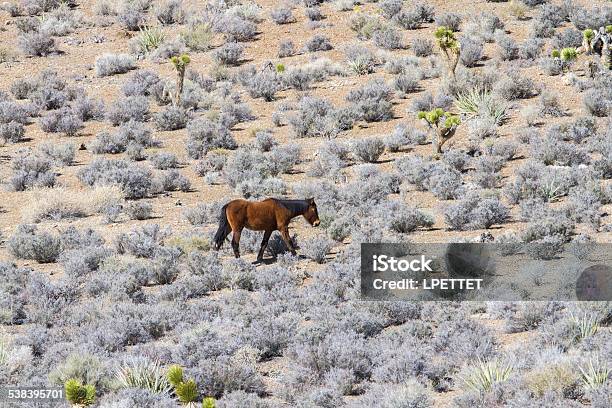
[143, 373]
[149, 39]
[180, 64]
[79, 395]
[175, 375]
[481, 103]
[595, 374]
[187, 392]
[469, 103]
[584, 326]
[442, 124]
[445, 37]
[484, 375]
[208, 402]
[552, 190]
[361, 65]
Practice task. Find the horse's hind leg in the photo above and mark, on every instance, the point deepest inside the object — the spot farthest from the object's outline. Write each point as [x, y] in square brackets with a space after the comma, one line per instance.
[264, 244]
[236, 242]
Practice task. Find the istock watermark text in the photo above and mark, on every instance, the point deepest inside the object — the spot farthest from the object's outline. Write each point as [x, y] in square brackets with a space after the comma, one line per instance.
[384, 263]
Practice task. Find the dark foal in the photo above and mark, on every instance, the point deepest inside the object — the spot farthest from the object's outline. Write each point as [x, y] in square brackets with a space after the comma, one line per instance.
[268, 215]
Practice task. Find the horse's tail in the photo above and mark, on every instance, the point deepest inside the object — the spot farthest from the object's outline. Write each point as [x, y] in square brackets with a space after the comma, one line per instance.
[224, 228]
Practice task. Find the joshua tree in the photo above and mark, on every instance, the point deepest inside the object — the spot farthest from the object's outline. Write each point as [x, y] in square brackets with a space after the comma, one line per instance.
[180, 63]
[449, 46]
[569, 55]
[186, 391]
[442, 124]
[601, 44]
[597, 44]
[79, 395]
[587, 37]
[565, 57]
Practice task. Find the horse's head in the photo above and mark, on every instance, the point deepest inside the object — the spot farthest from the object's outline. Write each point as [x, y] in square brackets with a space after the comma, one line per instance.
[311, 214]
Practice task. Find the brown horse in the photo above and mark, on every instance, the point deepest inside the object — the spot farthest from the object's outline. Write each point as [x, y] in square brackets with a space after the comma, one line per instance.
[268, 215]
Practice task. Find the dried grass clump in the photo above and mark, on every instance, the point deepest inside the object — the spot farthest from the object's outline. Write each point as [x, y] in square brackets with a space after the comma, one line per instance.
[59, 203]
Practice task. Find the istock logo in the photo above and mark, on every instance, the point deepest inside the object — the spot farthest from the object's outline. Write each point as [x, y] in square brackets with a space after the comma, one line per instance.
[384, 263]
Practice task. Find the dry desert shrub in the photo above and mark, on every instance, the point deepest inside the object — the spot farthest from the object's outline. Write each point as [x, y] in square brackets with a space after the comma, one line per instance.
[58, 203]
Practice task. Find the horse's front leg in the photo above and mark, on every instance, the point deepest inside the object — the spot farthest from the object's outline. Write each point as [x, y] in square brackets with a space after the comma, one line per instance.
[285, 236]
[236, 242]
[264, 244]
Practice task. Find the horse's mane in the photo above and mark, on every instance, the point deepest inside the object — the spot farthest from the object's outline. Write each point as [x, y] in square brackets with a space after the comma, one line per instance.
[295, 206]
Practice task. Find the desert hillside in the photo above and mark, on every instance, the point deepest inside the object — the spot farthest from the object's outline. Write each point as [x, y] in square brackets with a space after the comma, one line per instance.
[126, 126]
